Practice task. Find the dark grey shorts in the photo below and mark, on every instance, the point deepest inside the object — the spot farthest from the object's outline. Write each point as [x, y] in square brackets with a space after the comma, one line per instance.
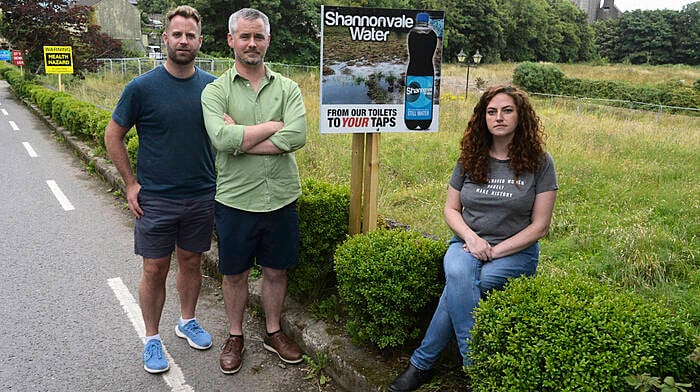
[169, 222]
[269, 239]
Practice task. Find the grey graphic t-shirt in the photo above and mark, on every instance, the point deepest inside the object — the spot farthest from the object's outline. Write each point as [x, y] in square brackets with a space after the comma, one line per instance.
[501, 208]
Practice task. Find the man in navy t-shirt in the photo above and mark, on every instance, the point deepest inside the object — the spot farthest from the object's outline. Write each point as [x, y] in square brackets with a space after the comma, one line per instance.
[172, 194]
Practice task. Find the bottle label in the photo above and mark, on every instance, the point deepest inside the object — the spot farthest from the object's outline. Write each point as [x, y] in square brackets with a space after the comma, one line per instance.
[419, 98]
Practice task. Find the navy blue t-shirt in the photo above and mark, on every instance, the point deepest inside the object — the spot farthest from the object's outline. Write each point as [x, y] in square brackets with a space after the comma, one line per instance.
[175, 158]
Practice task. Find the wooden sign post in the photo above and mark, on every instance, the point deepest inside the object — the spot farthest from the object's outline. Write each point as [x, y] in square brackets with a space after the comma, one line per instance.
[380, 72]
[364, 182]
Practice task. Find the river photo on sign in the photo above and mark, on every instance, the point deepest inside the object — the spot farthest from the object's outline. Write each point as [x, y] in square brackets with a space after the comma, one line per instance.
[364, 64]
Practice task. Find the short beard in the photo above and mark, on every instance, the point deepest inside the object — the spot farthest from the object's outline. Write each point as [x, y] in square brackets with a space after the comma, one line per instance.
[173, 56]
[248, 61]
[252, 62]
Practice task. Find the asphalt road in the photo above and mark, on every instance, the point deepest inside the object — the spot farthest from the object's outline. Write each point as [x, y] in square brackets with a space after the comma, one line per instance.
[69, 286]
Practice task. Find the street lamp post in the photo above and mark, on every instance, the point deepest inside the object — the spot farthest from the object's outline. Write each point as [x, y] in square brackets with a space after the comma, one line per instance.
[462, 57]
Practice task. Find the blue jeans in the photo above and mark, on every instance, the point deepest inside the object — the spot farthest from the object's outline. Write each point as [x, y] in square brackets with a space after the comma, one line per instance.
[467, 281]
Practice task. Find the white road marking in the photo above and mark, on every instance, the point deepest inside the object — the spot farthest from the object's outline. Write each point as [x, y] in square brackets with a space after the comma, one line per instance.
[4, 111]
[30, 150]
[65, 203]
[14, 126]
[173, 377]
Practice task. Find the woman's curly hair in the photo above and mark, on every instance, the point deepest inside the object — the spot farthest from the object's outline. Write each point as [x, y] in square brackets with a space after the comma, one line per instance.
[526, 150]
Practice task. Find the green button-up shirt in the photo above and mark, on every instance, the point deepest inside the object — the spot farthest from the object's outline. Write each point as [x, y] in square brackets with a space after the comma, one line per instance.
[256, 183]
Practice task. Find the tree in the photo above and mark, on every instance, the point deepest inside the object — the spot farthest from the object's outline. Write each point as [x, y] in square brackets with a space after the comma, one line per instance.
[30, 25]
[526, 26]
[688, 32]
[95, 44]
[607, 39]
[293, 27]
[651, 37]
[543, 30]
[576, 43]
[472, 25]
[647, 37]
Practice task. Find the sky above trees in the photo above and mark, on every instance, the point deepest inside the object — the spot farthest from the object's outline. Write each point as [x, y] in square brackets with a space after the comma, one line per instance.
[629, 5]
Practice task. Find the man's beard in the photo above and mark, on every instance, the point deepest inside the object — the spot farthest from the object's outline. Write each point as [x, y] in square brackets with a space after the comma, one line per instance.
[251, 60]
[179, 57]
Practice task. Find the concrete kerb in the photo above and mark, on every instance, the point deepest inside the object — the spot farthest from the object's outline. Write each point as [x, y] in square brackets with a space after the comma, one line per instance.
[348, 364]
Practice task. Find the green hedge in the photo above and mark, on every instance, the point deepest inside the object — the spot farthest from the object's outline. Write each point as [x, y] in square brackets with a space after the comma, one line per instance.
[548, 79]
[80, 118]
[4, 68]
[132, 148]
[538, 78]
[44, 98]
[324, 211]
[18, 82]
[385, 280]
[572, 334]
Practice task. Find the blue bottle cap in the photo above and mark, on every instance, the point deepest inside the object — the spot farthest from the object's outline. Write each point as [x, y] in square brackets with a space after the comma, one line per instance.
[422, 17]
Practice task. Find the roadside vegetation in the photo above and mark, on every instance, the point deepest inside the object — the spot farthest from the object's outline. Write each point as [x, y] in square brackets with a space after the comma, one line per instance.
[627, 215]
[629, 187]
[628, 207]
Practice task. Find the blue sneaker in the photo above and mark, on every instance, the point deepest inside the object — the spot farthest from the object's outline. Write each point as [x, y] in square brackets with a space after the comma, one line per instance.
[153, 359]
[196, 336]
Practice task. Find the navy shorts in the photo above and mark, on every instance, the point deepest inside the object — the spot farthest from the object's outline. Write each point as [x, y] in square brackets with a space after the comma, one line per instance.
[165, 223]
[270, 239]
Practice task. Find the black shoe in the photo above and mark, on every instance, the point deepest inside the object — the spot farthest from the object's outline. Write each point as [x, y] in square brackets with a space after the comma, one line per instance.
[410, 379]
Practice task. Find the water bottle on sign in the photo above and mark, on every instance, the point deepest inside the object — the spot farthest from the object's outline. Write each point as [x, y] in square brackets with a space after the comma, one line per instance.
[420, 74]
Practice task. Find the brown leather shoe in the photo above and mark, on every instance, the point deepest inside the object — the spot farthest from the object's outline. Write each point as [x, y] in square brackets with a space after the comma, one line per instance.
[284, 347]
[231, 356]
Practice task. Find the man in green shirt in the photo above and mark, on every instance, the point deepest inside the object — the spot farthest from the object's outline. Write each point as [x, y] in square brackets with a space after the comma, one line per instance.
[255, 119]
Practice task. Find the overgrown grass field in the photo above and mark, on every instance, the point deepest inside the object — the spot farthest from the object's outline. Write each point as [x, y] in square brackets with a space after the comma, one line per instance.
[628, 207]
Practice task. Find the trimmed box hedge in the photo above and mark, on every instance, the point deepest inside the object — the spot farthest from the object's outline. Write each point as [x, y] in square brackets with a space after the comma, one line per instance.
[385, 280]
[569, 333]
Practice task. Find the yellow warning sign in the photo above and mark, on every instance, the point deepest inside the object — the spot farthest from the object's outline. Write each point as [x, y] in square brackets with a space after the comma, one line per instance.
[58, 59]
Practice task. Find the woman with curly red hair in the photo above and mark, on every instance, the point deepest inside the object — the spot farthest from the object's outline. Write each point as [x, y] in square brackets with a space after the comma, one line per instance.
[499, 204]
